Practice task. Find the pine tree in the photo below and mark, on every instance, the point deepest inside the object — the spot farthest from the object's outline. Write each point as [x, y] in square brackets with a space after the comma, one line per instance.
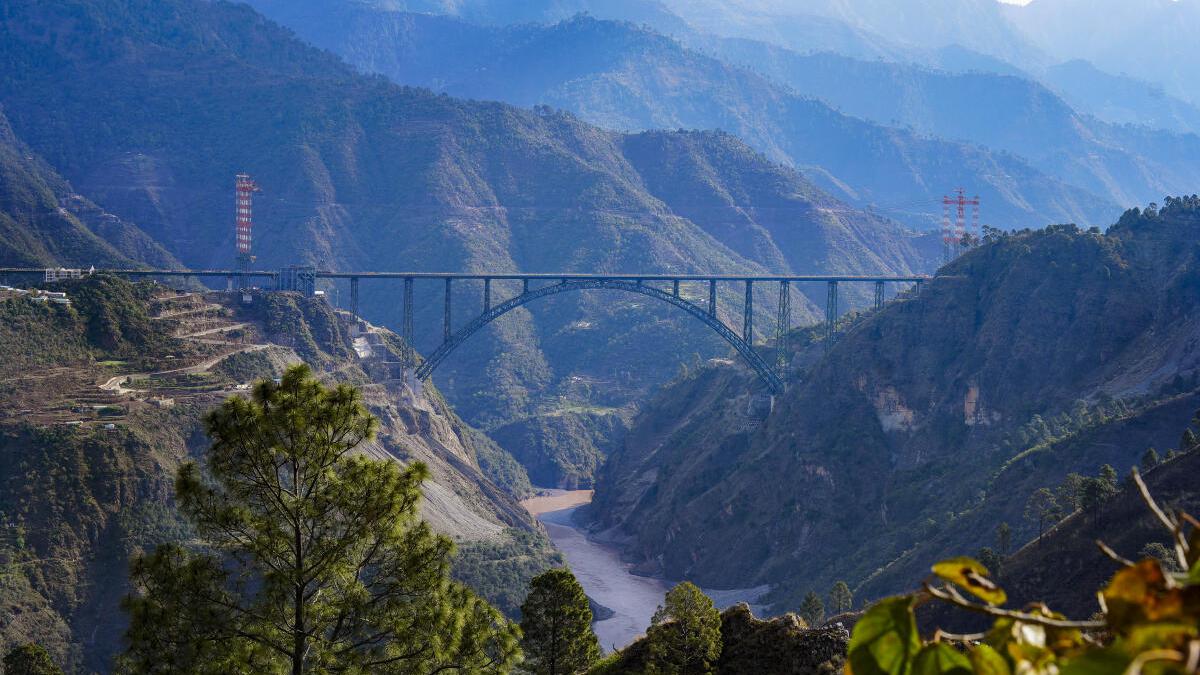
[685, 633]
[841, 599]
[556, 621]
[812, 609]
[1003, 539]
[1042, 508]
[313, 558]
[1108, 475]
[1071, 492]
[30, 659]
[1150, 459]
[1188, 442]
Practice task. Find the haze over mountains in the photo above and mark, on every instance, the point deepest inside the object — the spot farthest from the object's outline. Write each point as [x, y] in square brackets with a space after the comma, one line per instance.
[1025, 150]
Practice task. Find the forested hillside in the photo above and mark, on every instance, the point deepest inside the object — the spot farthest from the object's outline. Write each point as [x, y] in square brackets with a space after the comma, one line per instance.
[361, 174]
[87, 470]
[928, 423]
[43, 222]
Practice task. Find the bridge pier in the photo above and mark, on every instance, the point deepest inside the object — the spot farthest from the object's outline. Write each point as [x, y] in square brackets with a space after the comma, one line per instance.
[712, 297]
[783, 328]
[354, 297]
[487, 295]
[446, 318]
[748, 317]
[524, 286]
[409, 357]
[675, 288]
[878, 295]
[831, 314]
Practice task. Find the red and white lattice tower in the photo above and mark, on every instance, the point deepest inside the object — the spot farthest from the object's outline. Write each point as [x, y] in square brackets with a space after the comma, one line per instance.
[957, 234]
[245, 217]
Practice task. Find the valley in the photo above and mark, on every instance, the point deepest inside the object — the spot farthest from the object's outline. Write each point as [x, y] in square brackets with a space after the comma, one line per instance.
[599, 337]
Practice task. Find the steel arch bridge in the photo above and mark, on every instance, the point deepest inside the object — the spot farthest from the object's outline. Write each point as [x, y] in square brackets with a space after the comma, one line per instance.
[535, 286]
[744, 349]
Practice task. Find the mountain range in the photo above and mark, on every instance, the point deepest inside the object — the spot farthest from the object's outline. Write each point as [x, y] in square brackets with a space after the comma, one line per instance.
[359, 173]
[624, 77]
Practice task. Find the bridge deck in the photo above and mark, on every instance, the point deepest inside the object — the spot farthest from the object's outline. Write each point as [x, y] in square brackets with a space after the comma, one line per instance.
[546, 276]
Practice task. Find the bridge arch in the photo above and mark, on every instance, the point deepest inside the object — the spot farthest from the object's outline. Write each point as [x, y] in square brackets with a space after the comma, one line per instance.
[744, 349]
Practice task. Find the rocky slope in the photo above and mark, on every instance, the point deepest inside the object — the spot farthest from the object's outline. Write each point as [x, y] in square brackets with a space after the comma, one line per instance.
[926, 424]
[102, 400]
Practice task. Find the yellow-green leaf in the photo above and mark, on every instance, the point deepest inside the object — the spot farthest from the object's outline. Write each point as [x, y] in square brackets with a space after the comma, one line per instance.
[1109, 661]
[940, 658]
[972, 576]
[1146, 637]
[885, 639]
[987, 661]
[1141, 594]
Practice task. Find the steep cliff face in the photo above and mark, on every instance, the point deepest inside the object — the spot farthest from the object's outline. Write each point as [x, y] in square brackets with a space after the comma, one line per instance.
[921, 413]
[104, 400]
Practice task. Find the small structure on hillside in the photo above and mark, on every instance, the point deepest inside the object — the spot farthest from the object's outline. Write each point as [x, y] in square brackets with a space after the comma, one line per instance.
[62, 274]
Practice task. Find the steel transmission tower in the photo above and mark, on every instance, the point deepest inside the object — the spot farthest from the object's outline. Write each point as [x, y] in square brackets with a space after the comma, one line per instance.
[957, 234]
[244, 191]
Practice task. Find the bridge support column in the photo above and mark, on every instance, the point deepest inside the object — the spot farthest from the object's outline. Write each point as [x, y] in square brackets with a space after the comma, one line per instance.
[487, 295]
[783, 328]
[446, 318]
[354, 297]
[878, 295]
[831, 314]
[712, 297]
[748, 315]
[675, 288]
[409, 357]
[524, 286]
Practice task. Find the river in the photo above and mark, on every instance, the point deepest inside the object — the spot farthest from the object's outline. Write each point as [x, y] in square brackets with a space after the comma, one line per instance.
[605, 577]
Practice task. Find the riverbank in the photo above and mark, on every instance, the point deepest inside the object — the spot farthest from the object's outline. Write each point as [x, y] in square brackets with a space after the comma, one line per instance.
[607, 579]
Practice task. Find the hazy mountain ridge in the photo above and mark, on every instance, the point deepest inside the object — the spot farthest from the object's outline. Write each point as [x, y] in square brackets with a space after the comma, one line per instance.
[1150, 39]
[624, 77]
[359, 173]
[1127, 164]
[891, 443]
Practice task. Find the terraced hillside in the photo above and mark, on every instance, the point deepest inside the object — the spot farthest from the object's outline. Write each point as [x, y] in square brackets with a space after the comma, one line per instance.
[103, 399]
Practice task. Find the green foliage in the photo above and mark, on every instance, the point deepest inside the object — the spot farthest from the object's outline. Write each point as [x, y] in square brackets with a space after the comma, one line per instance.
[556, 624]
[812, 610]
[1149, 459]
[841, 599]
[500, 570]
[30, 659]
[1188, 441]
[685, 633]
[1150, 623]
[1042, 508]
[314, 556]
[885, 639]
